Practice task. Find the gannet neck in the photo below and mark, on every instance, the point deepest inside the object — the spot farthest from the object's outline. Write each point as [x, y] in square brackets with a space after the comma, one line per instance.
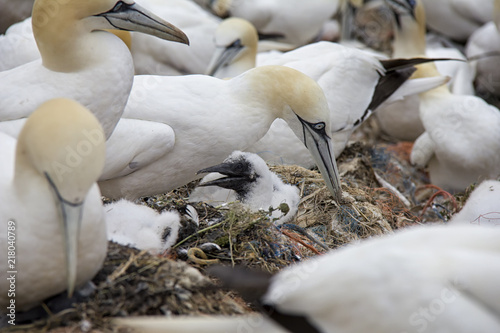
[63, 143]
[125, 36]
[66, 43]
[430, 70]
[68, 32]
[409, 35]
[287, 93]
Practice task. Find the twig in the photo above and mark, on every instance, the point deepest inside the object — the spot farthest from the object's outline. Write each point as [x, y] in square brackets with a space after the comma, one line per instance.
[394, 190]
[197, 233]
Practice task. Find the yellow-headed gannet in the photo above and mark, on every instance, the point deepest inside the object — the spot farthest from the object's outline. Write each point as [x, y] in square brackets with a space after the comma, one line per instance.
[18, 45]
[422, 279]
[245, 177]
[53, 220]
[209, 118]
[401, 120]
[457, 19]
[369, 83]
[482, 207]
[461, 141]
[80, 61]
[140, 226]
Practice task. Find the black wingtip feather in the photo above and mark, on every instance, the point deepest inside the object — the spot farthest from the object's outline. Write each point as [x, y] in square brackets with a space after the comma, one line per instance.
[401, 63]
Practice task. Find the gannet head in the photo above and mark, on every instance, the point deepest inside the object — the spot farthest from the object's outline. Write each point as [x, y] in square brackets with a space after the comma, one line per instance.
[65, 144]
[236, 40]
[56, 24]
[300, 101]
[242, 172]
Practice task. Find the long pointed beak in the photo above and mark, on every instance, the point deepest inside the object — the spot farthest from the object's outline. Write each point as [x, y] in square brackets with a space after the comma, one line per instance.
[319, 145]
[72, 217]
[222, 56]
[71, 214]
[136, 18]
[233, 180]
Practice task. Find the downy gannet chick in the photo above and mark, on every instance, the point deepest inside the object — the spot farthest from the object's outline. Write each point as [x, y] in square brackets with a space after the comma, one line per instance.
[139, 226]
[482, 206]
[247, 178]
[205, 119]
[79, 60]
[428, 278]
[51, 203]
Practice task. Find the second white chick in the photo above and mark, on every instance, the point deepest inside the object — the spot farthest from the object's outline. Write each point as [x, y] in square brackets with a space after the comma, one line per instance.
[245, 177]
[141, 227]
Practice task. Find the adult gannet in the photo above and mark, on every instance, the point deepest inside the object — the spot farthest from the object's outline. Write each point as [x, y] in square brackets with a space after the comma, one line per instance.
[292, 21]
[209, 118]
[482, 207]
[461, 141]
[140, 226]
[457, 19]
[51, 205]
[401, 119]
[351, 98]
[245, 177]
[80, 61]
[427, 278]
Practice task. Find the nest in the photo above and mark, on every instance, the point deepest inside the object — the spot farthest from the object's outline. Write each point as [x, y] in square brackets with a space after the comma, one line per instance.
[382, 192]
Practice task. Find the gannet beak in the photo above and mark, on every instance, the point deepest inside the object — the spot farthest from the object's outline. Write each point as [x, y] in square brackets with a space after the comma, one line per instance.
[71, 216]
[235, 176]
[133, 17]
[319, 145]
[223, 56]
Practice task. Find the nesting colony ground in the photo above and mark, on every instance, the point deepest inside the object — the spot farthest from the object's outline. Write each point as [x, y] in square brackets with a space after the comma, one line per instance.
[134, 283]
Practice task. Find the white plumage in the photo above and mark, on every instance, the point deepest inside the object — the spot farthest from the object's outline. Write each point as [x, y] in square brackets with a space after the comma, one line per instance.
[79, 61]
[461, 141]
[209, 118]
[482, 207]
[48, 190]
[139, 226]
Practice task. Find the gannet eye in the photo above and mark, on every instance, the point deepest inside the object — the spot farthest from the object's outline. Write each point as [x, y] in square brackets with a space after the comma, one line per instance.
[319, 126]
[236, 44]
[118, 7]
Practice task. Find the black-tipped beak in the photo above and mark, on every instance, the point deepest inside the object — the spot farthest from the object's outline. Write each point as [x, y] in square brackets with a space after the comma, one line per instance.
[237, 176]
[133, 17]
